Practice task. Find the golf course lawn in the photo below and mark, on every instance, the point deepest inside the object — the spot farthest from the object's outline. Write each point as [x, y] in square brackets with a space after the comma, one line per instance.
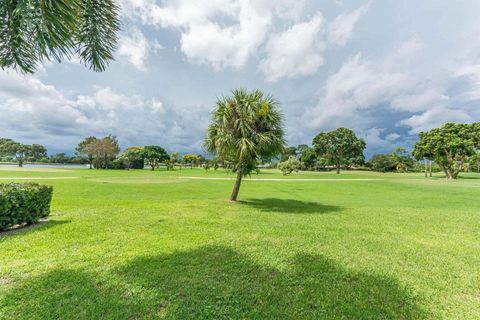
[144, 245]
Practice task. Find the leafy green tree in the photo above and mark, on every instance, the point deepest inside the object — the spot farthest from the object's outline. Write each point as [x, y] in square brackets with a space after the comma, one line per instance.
[449, 146]
[402, 159]
[105, 151]
[245, 127]
[59, 158]
[301, 148]
[382, 163]
[308, 157]
[321, 163]
[40, 30]
[21, 152]
[474, 161]
[340, 147]
[290, 165]
[86, 148]
[190, 159]
[154, 156]
[199, 160]
[36, 152]
[399, 160]
[4, 147]
[133, 157]
[7, 148]
[174, 158]
[288, 152]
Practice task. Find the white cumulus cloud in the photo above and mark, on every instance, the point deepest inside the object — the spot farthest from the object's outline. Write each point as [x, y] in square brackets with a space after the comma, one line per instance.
[341, 29]
[294, 52]
[34, 112]
[135, 47]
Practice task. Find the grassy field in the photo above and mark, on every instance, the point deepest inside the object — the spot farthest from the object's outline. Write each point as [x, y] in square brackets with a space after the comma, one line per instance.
[144, 245]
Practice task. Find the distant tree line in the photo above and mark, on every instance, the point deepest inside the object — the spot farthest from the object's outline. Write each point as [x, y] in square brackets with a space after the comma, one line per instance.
[12, 151]
[104, 153]
[337, 149]
[451, 148]
[399, 160]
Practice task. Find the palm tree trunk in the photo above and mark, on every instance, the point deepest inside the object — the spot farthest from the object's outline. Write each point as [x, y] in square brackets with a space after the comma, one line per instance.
[236, 187]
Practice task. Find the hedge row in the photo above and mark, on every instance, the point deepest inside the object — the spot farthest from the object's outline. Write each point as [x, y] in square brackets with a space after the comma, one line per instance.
[22, 203]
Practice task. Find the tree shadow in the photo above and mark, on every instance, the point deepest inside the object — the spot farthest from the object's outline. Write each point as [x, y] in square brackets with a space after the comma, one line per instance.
[289, 206]
[462, 177]
[214, 282]
[64, 294]
[40, 225]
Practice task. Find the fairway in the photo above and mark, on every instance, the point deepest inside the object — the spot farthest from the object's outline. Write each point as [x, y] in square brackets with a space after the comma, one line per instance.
[167, 244]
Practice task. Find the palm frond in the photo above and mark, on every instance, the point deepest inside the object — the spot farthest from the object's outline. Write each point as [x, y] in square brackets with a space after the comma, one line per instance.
[246, 126]
[32, 31]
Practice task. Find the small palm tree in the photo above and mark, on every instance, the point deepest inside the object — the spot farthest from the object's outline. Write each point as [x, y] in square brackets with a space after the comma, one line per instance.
[245, 127]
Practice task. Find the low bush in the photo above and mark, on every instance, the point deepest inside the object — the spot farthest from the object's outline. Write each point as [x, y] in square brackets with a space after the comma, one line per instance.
[23, 203]
[118, 164]
[290, 165]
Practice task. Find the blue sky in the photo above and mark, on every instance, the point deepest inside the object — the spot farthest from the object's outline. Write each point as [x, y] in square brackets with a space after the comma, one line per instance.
[384, 68]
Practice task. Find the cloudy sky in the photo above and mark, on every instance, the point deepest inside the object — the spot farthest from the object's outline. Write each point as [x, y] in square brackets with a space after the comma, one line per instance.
[384, 68]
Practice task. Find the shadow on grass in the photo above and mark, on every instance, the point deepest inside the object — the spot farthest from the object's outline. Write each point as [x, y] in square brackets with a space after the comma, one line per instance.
[289, 206]
[213, 282]
[476, 177]
[40, 225]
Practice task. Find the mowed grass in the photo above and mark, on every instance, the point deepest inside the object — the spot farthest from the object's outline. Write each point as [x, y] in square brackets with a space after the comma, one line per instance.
[147, 245]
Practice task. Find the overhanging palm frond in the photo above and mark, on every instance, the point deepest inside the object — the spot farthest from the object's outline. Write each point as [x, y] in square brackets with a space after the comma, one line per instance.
[32, 31]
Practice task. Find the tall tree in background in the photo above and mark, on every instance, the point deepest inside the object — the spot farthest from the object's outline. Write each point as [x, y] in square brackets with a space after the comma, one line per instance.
[474, 162]
[16, 150]
[175, 158]
[402, 159]
[106, 149]
[21, 152]
[36, 152]
[449, 146]
[245, 127]
[40, 30]
[288, 152]
[86, 148]
[399, 160]
[154, 156]
[308, 157]
[190, 159]
[99, 152]
[340, 147]
[133, 157]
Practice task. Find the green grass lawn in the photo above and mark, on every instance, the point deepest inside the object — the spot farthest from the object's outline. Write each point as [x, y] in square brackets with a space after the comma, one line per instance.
[144, 245]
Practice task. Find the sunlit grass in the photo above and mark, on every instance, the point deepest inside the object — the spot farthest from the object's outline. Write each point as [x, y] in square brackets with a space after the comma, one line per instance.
[142, 244]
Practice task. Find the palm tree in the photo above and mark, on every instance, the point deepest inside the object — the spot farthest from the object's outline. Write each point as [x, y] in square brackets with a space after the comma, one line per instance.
[245, 127]
[34, 31]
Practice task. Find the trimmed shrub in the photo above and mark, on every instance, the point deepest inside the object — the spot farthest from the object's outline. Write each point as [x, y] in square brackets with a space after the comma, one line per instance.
[22, 203]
